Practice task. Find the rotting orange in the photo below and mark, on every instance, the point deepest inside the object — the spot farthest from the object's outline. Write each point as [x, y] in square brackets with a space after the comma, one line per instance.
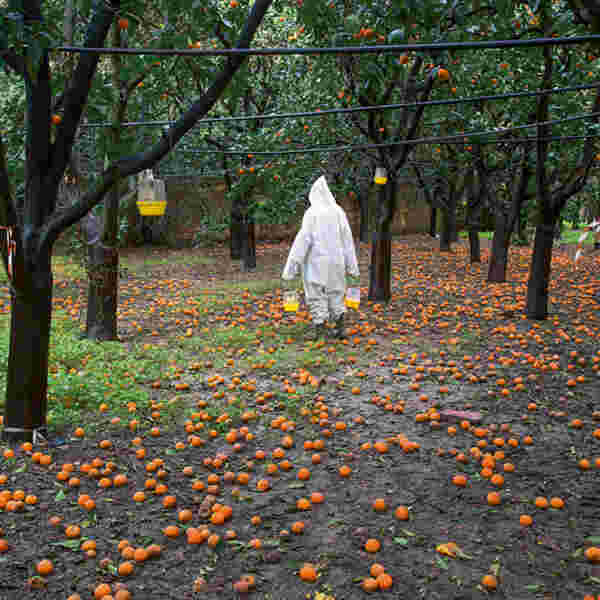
[384, 581]
[345, 471]
[317, 498]
[494, 498]
[369, 584]
[303, 474]
[171, 531]
[102, 590]
[489, 582]
[402, 513]
[297, 527]
[44, 567]
[372, 545]
[140, 554]
[459, 480]
[525, 520]
[125, 568]
[308, 572]
[592, 554]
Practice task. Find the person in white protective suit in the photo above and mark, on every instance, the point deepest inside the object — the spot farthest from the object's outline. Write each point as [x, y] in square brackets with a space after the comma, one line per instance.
[323, 251]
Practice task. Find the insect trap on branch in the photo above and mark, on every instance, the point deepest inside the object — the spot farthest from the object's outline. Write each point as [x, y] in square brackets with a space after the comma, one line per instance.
[152, 197]
[380, 176]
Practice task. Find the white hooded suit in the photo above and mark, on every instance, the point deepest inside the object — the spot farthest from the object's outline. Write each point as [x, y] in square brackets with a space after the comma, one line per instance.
[324, 251]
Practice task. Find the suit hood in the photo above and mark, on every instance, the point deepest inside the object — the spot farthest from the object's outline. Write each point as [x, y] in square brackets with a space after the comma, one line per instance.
[320, 195]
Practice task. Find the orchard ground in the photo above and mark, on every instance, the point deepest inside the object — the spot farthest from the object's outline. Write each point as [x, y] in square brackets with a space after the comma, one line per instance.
[206, 350]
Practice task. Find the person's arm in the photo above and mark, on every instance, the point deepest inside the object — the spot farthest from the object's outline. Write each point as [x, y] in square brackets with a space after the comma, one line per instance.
[350, 261]
[299, 250]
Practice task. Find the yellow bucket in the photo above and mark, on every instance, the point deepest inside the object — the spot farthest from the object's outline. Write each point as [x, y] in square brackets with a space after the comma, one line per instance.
[149, 208]
[353, 298]
[290, 302]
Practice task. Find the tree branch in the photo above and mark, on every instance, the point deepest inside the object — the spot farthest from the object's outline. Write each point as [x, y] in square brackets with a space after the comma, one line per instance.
[77, 93]
[579, 176]
[401, 154]
[136, 163]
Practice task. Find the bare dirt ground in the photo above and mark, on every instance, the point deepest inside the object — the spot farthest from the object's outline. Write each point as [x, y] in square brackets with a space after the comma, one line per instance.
[526, 392]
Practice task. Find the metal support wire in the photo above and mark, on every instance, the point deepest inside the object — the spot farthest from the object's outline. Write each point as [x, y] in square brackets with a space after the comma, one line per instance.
[381, 49]
[415, 141]
[377, 107]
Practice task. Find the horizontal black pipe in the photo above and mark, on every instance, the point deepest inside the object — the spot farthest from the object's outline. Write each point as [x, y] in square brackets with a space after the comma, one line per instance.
[382, 49]
[334, 111]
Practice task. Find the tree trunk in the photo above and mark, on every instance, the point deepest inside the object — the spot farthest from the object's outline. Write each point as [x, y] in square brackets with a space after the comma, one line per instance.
[27, 372]
[445, 234]
[381, 253]
[433, 221]
[248, 245]
[522, 225]
[473, 218]
[235, 229]
[363, 201]
[500, 244]
[539, 274]
[454, 219]
[103, 275]
[103, 255]
[448, 232]
[134, 236]
[474, 245]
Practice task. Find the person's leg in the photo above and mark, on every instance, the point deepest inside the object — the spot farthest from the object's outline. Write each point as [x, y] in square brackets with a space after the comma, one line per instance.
[337, 310]
[316, 300]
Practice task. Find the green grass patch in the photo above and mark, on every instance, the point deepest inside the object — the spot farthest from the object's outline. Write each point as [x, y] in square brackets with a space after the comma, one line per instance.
[84, 374]
[63, 267]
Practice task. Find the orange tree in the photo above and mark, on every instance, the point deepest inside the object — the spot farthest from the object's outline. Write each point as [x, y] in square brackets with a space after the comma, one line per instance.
[552, 190]
[371, 79]
[525, 167]
[147, 81]
[25, 49]
[536, 166]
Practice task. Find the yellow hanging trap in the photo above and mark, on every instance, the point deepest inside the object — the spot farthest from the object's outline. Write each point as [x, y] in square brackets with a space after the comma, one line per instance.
[290, 301]
[353, 297]
[151, 195]
[380, 176]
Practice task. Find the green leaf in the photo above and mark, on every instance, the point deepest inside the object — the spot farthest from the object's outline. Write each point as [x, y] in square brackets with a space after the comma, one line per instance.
[60, 495]
[441, 563]
[401, 541]
[593, 539]
[72, 544]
